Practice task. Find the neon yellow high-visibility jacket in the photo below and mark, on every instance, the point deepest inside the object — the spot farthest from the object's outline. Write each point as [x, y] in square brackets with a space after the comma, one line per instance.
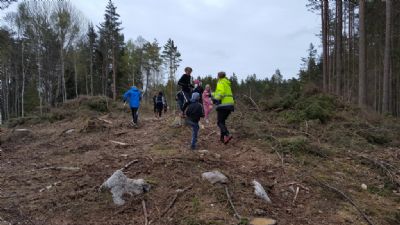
[224, 92]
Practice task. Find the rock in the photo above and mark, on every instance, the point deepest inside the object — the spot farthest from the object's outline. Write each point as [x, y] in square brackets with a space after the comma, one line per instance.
[260, 212]
[119, 185]
[69, 131]
[260, 192]
[364, 187]
[262, 221]
[215, 177]
[22, 130]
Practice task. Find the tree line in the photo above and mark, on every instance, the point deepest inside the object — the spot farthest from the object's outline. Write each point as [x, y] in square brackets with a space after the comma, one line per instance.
[361, 51]
[49, 53]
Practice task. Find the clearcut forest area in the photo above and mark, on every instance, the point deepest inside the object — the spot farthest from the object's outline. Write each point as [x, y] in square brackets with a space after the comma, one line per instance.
[319, 147]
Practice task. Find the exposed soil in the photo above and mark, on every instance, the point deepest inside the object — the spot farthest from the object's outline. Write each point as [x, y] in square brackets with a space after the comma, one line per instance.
[50, 175]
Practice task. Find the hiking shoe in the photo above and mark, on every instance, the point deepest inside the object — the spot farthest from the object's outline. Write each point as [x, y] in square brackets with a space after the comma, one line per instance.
[192, 147]
[227, 139]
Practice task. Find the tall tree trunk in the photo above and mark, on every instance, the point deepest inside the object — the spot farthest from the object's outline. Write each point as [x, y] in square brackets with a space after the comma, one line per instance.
[386, 61]
[339, 44]
[23, 82]
[75, 75]
[63, 83]
[325, 28]
[114, 75]
[147, 83]
[350, 72]
[91, 72]
[362, 77]
[104, 77]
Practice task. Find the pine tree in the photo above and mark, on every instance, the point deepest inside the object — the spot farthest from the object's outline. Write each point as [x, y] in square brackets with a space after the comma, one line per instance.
[110, 31]
[362, 94]
[172, 58]
[386, 62]
[151, 62]
[92, 45]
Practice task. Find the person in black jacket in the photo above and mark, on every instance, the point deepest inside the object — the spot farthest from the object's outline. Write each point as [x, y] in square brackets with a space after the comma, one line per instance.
[160, 103]
[155, 104]
[186, 89]
[194, 112]
[199, 89]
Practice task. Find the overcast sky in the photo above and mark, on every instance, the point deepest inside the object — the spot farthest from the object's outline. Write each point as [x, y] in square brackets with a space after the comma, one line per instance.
[245, 37]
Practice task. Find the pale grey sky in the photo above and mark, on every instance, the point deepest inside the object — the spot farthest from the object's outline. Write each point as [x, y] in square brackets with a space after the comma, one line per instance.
[245, 37]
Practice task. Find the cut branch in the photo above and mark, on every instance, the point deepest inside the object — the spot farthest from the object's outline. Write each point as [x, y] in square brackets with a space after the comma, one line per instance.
[337, 191]
[172, 203]
[237, 215]
[253, 102]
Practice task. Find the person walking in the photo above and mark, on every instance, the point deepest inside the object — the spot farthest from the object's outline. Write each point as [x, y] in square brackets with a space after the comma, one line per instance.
[193, 113]
[155, 104]
[223, 98]
[133, 96]
[160, 101]
[186, 89]
[207, 102]
[199, 89]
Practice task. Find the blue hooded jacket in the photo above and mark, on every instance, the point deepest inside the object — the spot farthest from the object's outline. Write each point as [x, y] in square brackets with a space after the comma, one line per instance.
[134, 96]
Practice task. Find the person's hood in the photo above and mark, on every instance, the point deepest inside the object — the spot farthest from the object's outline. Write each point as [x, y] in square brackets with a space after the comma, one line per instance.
[133, 88]
[195, 97]
[225, 81]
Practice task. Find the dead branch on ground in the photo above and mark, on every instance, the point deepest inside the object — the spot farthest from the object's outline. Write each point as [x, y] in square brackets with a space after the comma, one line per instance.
[146, 217]
[237, 215]
[382, 166]
[129, 164]
[337, 191]
[172, 203]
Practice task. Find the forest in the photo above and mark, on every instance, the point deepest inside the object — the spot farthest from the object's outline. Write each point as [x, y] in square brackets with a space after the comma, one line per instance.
[50, 53]
[317, 147]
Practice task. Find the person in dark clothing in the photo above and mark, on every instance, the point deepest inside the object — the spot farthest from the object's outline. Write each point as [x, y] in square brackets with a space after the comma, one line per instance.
[224, 100]
[155, 104]
[186, 89]
[133, 96]
[199, 89]
[160, 103]
[165, 106]
[194, 112]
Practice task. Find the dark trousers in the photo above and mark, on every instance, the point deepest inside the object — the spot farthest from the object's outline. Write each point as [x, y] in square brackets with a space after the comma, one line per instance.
[222, 115]
[183, 100]
[160, 107]
[135, 114]
[195, 131]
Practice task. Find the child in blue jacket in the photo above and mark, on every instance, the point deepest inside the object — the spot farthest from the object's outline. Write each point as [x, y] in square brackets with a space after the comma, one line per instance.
[194, 112]
[133, 96]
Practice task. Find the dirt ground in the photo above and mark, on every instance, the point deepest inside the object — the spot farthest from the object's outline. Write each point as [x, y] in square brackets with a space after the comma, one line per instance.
[50, 174]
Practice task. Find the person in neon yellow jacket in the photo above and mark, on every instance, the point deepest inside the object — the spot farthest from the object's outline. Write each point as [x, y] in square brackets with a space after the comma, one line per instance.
[225, 102]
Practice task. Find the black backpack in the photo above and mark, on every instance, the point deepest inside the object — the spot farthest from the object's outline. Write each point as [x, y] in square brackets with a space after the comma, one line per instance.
[160, 100]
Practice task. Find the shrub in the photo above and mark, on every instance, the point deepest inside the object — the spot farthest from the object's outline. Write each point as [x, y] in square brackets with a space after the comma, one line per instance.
[376, 136]
[315, 111]
[98, 104]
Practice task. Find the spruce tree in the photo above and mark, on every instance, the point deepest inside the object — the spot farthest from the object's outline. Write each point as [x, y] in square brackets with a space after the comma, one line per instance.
[110, 32]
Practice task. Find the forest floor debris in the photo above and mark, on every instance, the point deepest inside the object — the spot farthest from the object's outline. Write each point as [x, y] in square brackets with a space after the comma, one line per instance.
[178, 195]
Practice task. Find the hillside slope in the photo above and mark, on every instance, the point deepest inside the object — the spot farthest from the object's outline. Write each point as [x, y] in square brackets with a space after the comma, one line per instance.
[50, 173]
